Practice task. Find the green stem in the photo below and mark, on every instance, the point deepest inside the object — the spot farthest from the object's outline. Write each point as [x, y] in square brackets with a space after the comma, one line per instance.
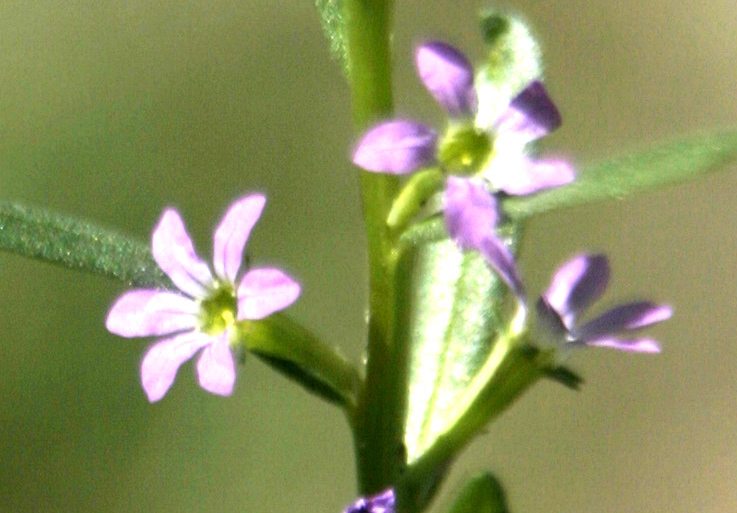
[378, 425]
[295, 351]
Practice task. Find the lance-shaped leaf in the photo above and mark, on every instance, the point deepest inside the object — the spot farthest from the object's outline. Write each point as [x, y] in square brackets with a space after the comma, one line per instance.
[456, 309]
[76, 244]
[651, 169]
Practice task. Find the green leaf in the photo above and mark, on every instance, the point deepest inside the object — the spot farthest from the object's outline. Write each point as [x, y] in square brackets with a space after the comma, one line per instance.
[331, 19]
[453, 326]
[298, 354]
[650, 169]
[75, 244]
[456, 315]
[481, 494]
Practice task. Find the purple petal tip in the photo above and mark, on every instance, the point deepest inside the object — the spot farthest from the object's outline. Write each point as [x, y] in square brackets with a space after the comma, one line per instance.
[627, 317]
[578, 284]
[448, 76]
[522, 176]
[537, 105]
[265, 291]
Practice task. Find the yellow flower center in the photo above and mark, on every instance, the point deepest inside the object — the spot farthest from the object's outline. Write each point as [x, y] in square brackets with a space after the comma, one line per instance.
[218, 311]
[464, 149]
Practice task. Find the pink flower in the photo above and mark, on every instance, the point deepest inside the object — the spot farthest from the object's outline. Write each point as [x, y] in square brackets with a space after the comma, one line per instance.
[203, 315]
[575, 287]
[402, 146]
[482, 160]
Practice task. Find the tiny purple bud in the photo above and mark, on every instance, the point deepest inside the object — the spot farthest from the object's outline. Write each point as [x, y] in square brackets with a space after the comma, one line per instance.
[380, 503]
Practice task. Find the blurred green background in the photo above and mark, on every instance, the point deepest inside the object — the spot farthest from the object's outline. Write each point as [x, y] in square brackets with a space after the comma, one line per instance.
[114, 110]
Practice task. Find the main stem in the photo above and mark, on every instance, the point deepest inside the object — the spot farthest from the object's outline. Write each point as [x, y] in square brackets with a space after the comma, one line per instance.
[378, 425]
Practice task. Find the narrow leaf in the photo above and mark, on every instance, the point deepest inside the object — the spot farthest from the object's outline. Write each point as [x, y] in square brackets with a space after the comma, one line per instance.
[75, 244]
[481, 494]
[297, 353]
[662, 166]
[456, 316]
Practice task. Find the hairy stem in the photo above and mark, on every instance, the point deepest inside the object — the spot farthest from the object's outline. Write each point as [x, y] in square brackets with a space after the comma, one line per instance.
[379, 422]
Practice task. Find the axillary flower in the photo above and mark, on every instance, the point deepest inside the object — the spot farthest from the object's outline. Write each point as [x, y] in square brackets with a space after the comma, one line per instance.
[492, 151]
[203, 315]
[575, 287]
[479, 159]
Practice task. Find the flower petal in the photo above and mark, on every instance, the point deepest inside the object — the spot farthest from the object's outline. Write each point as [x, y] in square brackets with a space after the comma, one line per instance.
[232, 233]
[642, 345]
[174, 252]
[530, 115]
[396, 147]
[160, 365]
[216, 368]
[448, 76]
[501, 260]
[512, 172]
[380, 503]
[143, 313]
[470, 212]
[627, 317]
[577, 284]
[265, 291]
[549, 326]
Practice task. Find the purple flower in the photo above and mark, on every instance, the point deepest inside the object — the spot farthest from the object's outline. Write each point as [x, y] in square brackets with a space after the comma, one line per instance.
[494, 151]
[575, 287]
[204, 313]
[381, 503]
[491, 156]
